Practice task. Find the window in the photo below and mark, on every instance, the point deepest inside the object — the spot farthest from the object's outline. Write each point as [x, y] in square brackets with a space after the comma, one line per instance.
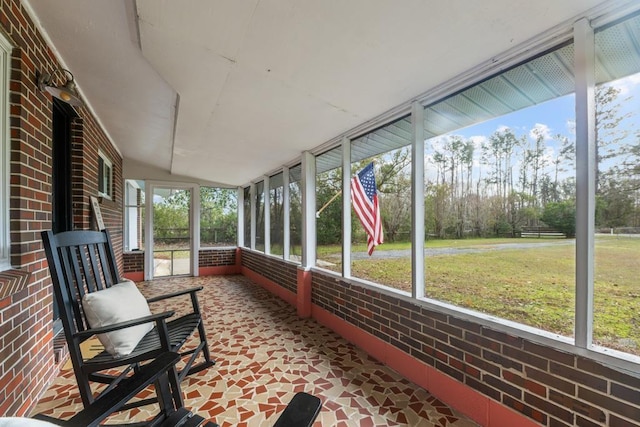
[134, 210]
[276, 206]
[105, 176]
[617, 211]
[218, 216]
[389, 150]
[295, 214]
[246, 204]
[5, 58]
[260, 204]
[500, 195]
[329, 210]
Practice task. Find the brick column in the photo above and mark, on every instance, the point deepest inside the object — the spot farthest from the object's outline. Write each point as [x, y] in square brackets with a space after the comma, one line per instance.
[303, 295]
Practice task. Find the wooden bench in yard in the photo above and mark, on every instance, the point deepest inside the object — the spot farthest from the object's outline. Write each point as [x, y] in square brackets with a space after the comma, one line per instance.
[541, 232]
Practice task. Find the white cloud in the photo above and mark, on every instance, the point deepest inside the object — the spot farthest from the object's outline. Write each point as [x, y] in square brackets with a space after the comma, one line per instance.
[540, 129]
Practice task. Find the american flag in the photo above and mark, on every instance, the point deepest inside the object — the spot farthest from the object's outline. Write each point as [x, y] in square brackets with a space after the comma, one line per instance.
[364, 197]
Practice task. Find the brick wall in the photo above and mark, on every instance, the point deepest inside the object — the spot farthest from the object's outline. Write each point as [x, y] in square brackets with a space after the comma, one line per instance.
[133, 262]
[275, 269]
[87, 139]
[551, 387]
[217, 257]
[26, 337]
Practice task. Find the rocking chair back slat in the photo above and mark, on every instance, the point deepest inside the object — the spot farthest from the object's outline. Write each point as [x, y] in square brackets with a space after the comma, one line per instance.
[69, 256]
[110, 277]
[91, 273]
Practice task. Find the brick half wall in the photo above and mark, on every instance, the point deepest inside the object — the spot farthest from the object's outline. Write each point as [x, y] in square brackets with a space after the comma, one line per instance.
[547, 386]
[276, 270]
[211, 262]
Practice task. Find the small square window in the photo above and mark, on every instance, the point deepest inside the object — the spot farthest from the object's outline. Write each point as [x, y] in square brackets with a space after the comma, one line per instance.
[105, 176]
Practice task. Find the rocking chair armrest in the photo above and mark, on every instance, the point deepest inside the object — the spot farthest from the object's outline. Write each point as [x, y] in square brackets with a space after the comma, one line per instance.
[157, 318]
[175, 294]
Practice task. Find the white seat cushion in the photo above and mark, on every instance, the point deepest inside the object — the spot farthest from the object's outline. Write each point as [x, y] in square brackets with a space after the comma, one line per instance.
[119, 303]
[24, 422]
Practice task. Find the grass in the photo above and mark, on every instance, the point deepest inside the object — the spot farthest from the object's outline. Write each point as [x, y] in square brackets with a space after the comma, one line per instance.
[335, 250]
[534, 286]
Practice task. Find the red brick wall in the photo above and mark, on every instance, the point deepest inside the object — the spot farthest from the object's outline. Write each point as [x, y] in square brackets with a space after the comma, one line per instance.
[133, 262]
[548, 386]
[26, 337]
[217, 257]
[275, 269]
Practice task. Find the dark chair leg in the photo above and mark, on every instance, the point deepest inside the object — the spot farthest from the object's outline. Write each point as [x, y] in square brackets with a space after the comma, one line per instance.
[165, 396]
[176, 391]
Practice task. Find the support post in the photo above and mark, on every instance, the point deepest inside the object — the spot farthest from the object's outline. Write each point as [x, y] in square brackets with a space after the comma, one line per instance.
[346, 208]
[308, 210]
[240, 197]
[286, 207]
[417, 195]
[266, 197]
[253, 215]
[584, 44]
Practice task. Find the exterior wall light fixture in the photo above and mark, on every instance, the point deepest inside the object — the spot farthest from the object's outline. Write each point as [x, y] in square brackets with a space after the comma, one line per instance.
[66, 92]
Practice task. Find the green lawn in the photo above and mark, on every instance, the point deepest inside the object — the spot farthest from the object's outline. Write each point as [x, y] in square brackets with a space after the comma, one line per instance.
[335, 250]
[533, 286]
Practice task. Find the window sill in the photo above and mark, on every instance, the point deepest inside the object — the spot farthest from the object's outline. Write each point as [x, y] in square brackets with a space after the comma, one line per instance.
[12, 282]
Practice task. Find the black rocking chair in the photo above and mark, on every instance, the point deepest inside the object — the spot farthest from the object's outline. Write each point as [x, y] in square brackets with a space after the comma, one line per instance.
[82, 262]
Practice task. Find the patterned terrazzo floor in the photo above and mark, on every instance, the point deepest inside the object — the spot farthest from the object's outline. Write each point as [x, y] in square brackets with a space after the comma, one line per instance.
[264, 355]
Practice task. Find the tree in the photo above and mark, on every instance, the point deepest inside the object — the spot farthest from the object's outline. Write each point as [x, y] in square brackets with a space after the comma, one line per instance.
[498, 152]
[435, 208]
[395, 207]
[536, 158]
[394, 192]
[561, 216]
[609, 133]
[218, 215]
[329, 221]
[171, 218]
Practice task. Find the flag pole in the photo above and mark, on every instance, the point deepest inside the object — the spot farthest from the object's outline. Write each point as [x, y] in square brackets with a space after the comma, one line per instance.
[328, 203]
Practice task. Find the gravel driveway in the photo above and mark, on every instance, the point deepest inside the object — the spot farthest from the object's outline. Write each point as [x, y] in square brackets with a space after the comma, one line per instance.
[382, 254]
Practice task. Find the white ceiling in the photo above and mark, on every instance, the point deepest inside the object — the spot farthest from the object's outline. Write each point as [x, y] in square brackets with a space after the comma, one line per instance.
[256, 82]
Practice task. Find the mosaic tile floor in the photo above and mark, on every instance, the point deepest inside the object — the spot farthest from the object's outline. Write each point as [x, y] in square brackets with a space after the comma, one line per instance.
[264, 355]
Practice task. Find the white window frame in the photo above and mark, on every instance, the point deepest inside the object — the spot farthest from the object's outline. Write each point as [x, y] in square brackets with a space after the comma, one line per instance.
[5, 67]
[131, 232]
[106, 163]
